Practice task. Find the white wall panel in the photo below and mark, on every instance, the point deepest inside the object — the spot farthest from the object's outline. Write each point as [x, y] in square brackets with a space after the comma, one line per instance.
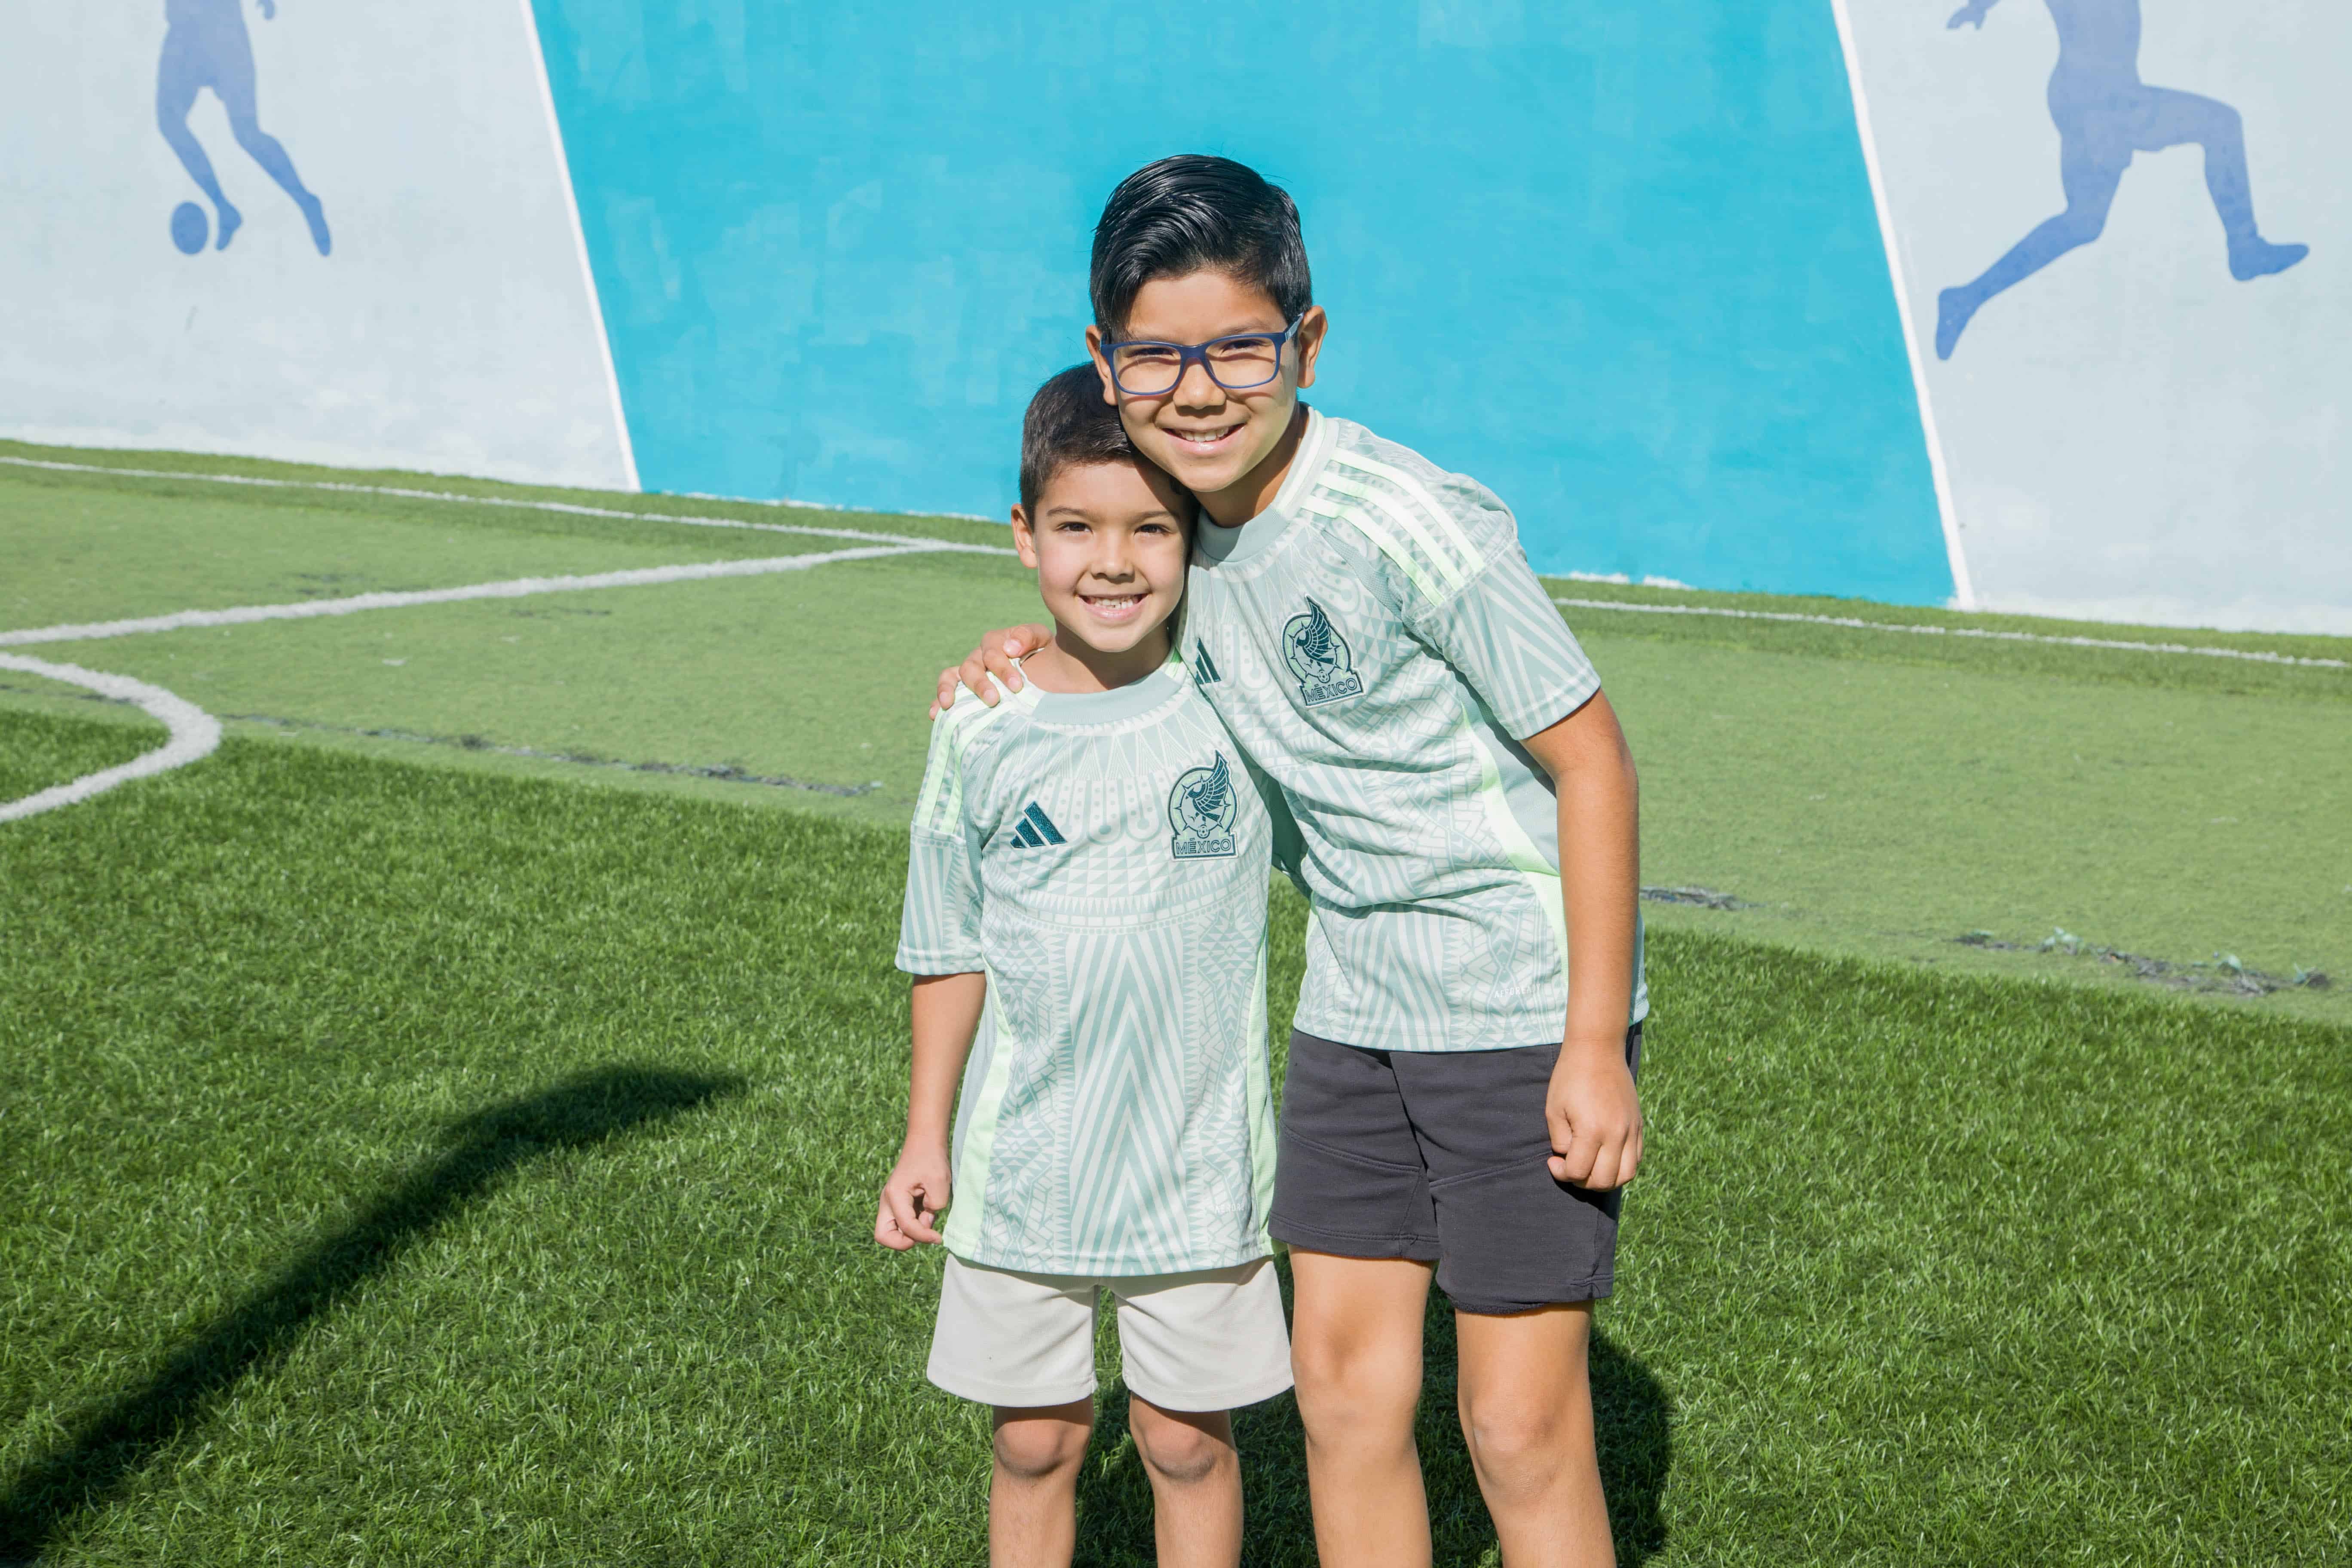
[451, 327]
[2132, 433]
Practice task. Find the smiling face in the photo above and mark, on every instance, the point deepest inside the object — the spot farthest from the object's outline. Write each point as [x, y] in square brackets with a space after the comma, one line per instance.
[1228, 448]
[1109, 544]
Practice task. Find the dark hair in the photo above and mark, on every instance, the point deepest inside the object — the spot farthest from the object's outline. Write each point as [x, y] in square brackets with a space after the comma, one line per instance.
[1194, 213]
[1068, 426]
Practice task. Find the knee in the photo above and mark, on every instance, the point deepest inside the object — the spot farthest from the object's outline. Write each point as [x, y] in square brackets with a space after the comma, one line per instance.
[2082, 224]
[1517, 1444]
[1039, 1450]
[1179, 1451]
[1352, 1389]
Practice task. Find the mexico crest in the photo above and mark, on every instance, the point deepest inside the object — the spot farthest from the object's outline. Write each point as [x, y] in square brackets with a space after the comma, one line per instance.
[1318, 655]
[1201, 809]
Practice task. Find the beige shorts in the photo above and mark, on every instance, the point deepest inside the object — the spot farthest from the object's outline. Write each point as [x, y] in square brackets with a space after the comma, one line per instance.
[1211, 1340]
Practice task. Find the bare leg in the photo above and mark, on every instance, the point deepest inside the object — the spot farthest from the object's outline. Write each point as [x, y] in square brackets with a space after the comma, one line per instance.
[1032, 1491]
[1196, 1483]
[177, 82]
[2183, 117]
[1355, 1349]
[235, 87]
[2090, 183]
[1527, 1413]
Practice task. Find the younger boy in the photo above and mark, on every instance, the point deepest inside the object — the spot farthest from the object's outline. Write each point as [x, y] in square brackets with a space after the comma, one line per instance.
[1086, 913]
[1368, 627]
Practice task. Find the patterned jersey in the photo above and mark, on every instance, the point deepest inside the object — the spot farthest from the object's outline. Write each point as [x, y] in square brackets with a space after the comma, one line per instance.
[1378, 644]
[1103, 859]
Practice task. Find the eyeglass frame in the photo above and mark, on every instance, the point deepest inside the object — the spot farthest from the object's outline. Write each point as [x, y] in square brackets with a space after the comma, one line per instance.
[1190, 354]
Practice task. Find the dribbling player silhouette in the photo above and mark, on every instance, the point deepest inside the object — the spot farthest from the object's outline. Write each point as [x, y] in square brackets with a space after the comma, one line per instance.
[2105, 113]
[205, 46]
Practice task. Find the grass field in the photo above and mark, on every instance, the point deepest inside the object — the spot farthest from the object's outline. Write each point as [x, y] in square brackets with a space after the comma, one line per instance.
[427, 1140]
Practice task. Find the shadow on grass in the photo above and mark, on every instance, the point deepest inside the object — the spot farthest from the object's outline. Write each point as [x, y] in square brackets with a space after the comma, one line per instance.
[112, 1445]
[1629, 1409]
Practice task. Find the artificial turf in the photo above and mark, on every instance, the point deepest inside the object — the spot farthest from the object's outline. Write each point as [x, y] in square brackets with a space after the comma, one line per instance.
[1853, 792]
[408, 1166]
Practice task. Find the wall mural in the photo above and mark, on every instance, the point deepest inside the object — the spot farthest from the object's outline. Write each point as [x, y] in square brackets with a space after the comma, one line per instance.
[205, 46]
[370, 260]
[2135, 394]
[2105, 113]
[1629, 265]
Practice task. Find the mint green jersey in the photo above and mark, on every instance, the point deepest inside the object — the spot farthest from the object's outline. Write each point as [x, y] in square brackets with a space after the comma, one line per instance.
[1103, 859]
[1377, 645]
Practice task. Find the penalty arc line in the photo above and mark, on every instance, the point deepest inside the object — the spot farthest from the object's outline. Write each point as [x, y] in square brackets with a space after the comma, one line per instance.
[195, 733]
[2251, 655]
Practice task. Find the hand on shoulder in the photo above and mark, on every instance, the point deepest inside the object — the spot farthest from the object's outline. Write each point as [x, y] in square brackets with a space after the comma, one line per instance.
[995, 656]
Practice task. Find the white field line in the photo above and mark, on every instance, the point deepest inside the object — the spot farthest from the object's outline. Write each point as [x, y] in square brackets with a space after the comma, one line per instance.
[570, 509]
[194, 733]
[2252, 655]
[511, 588]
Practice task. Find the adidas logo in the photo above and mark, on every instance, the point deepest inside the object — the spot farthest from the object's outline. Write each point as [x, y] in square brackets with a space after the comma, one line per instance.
[1037, 829]
[1204, 668]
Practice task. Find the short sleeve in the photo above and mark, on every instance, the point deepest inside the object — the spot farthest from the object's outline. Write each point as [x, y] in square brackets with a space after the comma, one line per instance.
[1502, 631]
[1447, 555]
[939, 925]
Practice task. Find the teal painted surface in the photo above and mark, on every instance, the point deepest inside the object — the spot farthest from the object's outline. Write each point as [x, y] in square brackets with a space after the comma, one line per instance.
[1621, 263]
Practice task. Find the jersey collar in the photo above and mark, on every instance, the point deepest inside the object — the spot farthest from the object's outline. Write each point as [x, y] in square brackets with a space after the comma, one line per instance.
[1213, 545]
[1128, 702]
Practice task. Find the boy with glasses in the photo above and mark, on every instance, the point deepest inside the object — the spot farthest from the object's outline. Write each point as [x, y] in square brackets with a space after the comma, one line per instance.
[1369, 628]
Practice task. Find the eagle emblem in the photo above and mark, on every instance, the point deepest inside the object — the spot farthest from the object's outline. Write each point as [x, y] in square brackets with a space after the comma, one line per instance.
[1318, 656]
[1200, 809]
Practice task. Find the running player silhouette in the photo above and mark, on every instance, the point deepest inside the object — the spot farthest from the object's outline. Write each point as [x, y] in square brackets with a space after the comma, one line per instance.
[2105, 113]
[205, 46]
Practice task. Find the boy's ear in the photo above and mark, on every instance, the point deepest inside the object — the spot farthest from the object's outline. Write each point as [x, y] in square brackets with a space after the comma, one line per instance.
[1312, 329]
[1102, 365]
[1024, 539]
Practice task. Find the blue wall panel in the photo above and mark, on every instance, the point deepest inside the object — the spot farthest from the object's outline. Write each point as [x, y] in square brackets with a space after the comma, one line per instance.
[1621, 263]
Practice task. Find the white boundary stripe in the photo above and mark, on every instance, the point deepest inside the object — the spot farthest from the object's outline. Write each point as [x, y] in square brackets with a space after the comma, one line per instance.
[511, 588]
[579, 243]
[1964, 594]
[2251, 655]
[572, 509]
[195, 735]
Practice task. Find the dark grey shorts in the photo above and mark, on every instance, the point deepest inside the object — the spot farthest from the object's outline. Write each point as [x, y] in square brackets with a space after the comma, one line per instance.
[1439, 1155]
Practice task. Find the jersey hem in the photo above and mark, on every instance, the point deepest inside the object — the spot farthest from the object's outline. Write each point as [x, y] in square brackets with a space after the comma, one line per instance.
[1112, 1269]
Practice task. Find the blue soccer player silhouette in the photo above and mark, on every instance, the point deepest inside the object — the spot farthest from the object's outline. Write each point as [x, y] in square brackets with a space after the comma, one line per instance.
[205, 46]
[2105, 113]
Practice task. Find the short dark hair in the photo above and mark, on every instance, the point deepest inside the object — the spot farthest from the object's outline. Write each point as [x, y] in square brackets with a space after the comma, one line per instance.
[1068, 426]
[1194, 213]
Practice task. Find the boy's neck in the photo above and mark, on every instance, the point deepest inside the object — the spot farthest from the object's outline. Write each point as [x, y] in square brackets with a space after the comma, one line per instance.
[1069, 666]
[1255, 492]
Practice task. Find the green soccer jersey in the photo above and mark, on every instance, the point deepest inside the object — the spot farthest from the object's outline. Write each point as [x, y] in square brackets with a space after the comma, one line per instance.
[1378, 644]
[1103, 859]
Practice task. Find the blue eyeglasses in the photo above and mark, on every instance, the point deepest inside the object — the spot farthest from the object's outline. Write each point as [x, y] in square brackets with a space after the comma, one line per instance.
[1237, 364]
